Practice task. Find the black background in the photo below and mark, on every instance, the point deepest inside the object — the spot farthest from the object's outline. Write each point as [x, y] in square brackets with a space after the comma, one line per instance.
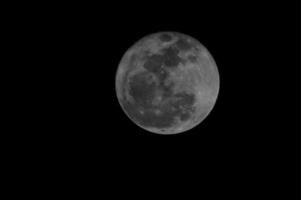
[78, 121]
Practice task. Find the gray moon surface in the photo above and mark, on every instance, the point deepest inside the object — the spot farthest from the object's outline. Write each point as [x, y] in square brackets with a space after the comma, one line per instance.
[197, 74]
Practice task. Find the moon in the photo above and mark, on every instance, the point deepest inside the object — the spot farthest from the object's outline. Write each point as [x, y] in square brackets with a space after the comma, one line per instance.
[192, 71]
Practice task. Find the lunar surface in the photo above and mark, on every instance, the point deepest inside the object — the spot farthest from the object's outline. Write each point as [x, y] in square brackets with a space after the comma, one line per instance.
[167, 83]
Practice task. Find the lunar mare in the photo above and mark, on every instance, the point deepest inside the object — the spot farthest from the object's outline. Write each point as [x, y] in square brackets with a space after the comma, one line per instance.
[197, 74]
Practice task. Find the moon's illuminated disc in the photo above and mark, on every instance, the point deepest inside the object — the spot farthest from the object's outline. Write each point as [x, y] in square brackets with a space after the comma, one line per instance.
[167, 82]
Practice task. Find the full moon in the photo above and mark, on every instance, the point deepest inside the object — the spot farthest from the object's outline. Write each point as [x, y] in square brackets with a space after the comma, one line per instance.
[167, 83]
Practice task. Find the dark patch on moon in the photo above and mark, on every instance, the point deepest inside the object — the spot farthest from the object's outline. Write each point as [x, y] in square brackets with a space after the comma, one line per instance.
[192, 58]
[183, 45]
[165, 37]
